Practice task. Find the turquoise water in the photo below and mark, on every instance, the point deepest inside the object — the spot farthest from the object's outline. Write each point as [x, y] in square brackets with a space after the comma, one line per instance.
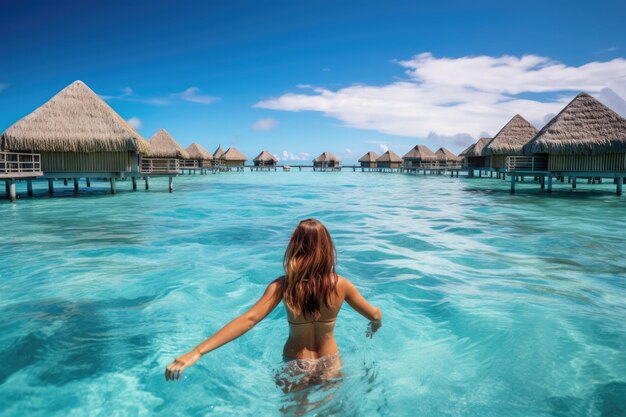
[494, 305]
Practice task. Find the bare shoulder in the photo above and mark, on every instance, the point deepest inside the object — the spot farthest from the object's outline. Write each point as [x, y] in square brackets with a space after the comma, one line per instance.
[277, 284]
[343, 285]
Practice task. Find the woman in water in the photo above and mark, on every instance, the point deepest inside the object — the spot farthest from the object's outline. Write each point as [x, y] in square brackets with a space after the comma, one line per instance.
[313, 294]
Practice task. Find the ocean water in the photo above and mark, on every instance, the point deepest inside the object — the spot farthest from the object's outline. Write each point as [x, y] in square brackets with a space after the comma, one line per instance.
[494, 305]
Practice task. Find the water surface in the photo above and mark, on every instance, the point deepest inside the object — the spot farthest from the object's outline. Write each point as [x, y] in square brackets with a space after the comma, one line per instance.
[494, 305]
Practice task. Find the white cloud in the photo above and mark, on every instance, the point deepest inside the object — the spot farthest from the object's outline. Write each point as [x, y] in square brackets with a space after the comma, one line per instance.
[135, 122]
[453, 100]
[300, 156]
[383, 147]
[192, 94]
[3, 86]
[264, 124]
[348, 150]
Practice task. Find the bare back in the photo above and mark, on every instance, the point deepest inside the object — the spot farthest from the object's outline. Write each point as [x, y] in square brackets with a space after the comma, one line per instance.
[314, 337]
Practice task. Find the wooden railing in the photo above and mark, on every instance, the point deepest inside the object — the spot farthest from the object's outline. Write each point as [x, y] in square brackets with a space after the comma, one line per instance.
[526, 163]
[189, 163]
[434, 165]
[159, 166]
[20, 164]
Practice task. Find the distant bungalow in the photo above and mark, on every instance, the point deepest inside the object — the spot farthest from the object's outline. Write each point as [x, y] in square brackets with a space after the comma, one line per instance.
[78, 135]
[265, 160]
[232, 158]
[389, 160]
[446, 157]
[218, 153]
[199, 156]
[474, 160]
[586, 139]
[368, 160]
[418, 156]
[508, 142]
[165, 154]
[326, 161]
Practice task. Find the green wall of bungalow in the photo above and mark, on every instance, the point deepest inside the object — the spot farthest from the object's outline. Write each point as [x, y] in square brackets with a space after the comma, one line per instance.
[369, 164]
[389, 164]
[609, 162]
[88, 162]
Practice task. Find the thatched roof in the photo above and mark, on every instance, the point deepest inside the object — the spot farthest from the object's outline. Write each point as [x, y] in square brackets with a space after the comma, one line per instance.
[511, 138]
[196, 151]
[389, 156]
[265, 156]
[233, 154]
[420, 152]
[163, 145]
[75, 120]
[444, 154]
[326, 157]
[218, 152]
[369, 157]
[584, 126]
[476, 149]
[468, 149]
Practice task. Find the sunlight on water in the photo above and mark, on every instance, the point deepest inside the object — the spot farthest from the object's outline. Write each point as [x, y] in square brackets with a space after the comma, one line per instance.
[494, 305]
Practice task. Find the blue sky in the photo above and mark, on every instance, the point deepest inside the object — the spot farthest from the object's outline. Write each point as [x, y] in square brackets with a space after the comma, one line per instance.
[298, 78]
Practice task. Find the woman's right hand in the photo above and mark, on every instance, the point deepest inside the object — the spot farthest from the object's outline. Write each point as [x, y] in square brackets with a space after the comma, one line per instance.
[373, 328]
[176, 368]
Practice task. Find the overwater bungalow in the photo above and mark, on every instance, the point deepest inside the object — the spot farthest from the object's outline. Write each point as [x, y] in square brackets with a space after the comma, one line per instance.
[447, 158]
[265, 160]
[368, 160]
[420, 157]
[165, 154]
[586, 139]
[74, 135]
[326, 162]
[507, 142]
[232, 158]
[473, 157]
[198, 157]
[389, 161]
[216, 157]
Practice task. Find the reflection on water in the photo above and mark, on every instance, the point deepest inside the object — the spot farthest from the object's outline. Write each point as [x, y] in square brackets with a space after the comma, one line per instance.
[494, 305]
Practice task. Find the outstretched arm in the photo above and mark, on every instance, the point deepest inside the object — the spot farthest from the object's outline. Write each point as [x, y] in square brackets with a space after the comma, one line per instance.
[234, 329]
[360, 304]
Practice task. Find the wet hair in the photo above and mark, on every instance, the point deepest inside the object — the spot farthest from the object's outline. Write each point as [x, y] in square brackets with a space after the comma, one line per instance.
[309, 262]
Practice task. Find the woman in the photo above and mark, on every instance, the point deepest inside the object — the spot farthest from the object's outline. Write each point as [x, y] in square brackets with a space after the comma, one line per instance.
[313, 294]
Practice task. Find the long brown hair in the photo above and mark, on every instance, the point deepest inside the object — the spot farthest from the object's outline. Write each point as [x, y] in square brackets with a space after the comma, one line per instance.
[310, 277]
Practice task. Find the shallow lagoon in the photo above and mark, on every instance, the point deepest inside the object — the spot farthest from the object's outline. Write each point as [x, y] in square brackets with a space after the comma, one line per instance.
[493, 304]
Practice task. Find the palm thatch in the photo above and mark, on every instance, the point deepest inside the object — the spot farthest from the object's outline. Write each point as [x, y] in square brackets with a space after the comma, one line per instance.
[511, 138]
[326, 157]
[468, 149]
[233, 154]
[477, 148]
[75, 120]
[389, 156]
[445, 155]
[218, 152]
[197, 152]
[265, 156]
[420, 152]
[163, 145]
[584, 126]
[369, 157]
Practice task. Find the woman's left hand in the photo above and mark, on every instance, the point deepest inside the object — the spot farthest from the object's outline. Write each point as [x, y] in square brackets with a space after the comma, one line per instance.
[176, 368]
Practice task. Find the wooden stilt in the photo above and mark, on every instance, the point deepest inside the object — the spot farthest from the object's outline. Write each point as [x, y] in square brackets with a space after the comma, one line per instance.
[12, 192]
[512, 184]
[88, 181]
[29, 187]
[75, 185]
[7, 187]
[50, 186]
[620, 181]
[573, 183]
[147, 183]
[112, 185]
[543, 183]
[134, 183]
[171, 184]
[65, 182]
[550, 184]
